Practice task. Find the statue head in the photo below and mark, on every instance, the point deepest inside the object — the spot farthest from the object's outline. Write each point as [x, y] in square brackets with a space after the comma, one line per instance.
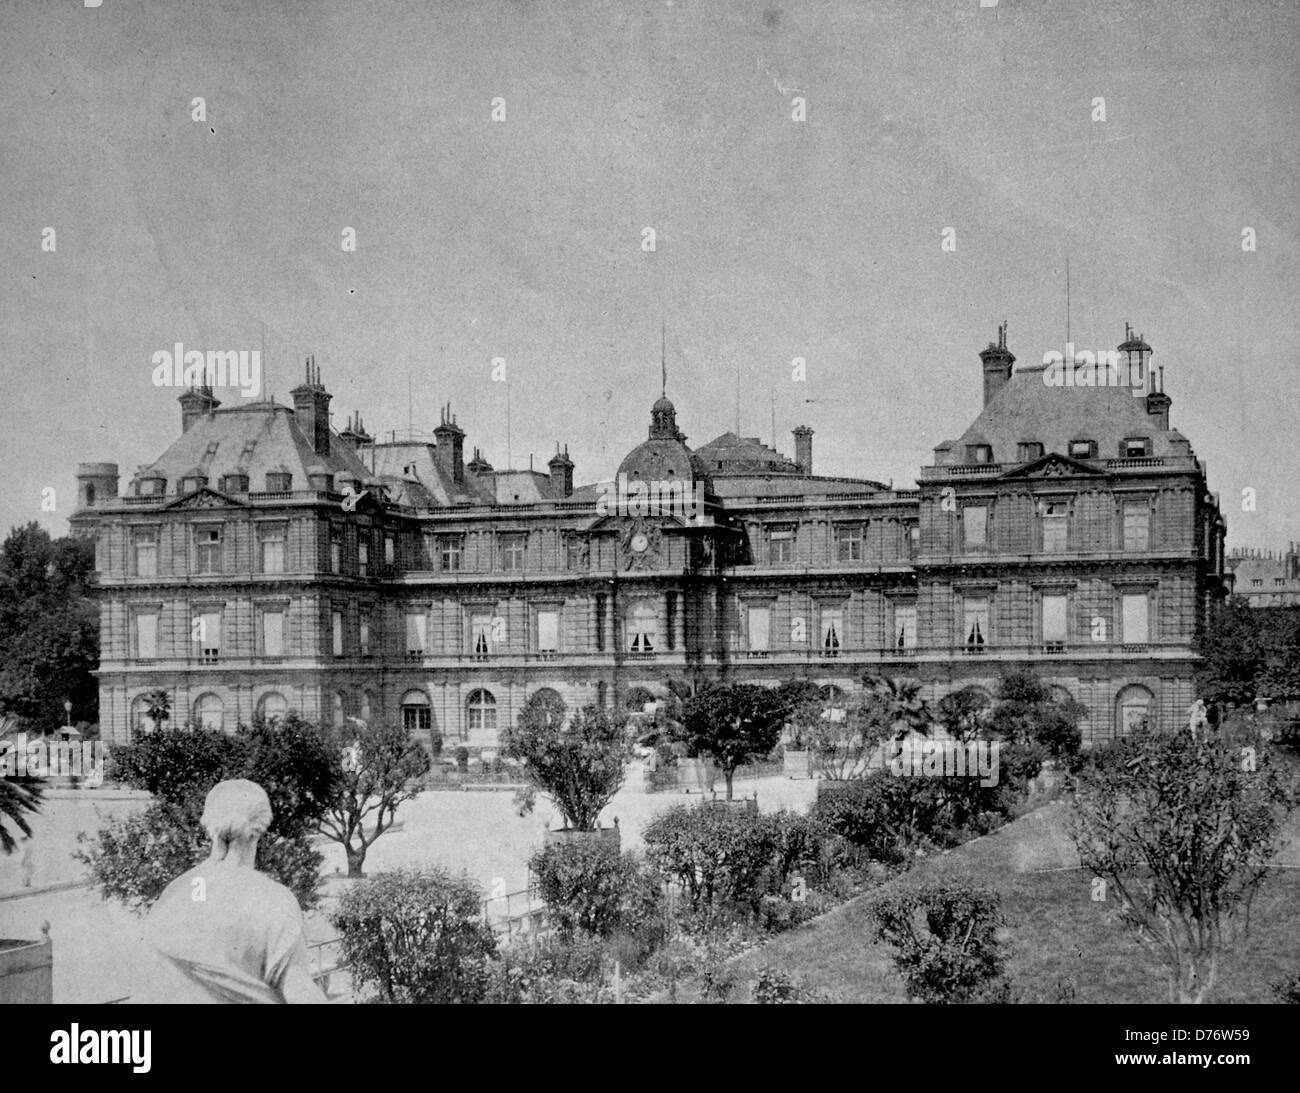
[236, 811]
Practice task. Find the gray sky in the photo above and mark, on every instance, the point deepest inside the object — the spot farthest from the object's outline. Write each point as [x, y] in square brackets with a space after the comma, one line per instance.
[522, 239]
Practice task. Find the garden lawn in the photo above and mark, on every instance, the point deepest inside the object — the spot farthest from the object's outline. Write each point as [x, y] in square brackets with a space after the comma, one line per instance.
[1055, 931]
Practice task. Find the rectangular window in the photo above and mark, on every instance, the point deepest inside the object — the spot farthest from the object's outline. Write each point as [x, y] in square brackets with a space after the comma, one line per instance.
[451, 548]
[600, 622]
[336, 550]
[363, 634]
[642, 628]
[1136, 618]
[780, 546]
[416, 630]
[336, 632]
[363, 555]
[1083, 449]
[1055, 621]
[480, 635]
[146, 635]
[511, 549]
[1055, 527]
[760, 628]
[1029, 450]
[207, 543]
[548, 630]
[974, 523]
[145, 547]
[272, 633]
[975, 624]
[1135, 447]
[1137, 525]
[670, 619]
[848, 543]
[904, 626]
[272, 549]
[429, 546]
[207, 635]
[390, 550]
[832, 631]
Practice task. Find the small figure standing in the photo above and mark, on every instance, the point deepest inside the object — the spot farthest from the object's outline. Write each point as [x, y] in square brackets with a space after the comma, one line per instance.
[1197, 717]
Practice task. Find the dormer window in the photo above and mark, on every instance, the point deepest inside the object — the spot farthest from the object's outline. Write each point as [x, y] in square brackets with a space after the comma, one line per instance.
[193, 482]
[235, 483]
[979, 453]
[1083, 449]
[1029, 450]
[152, 487]
[279, 482]
[1135, 447]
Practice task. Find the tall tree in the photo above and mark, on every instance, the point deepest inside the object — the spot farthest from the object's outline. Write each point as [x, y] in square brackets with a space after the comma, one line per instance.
[49, 628]
[1181, 830]
[580, 763]
[733, 723]
[375, 768]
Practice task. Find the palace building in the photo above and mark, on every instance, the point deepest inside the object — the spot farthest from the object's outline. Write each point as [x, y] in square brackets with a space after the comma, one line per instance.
[265, 562]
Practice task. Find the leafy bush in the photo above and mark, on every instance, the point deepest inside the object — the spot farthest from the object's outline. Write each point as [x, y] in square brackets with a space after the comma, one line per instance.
[590, 888]
[416, 937]
[727, 860]
[945, 939]
[550, 971]
[135, 857]
[776, 988]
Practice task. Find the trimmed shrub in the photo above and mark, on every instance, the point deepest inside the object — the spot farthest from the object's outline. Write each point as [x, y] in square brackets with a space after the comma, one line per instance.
[590, 888]
[416, 937]
[944, 937]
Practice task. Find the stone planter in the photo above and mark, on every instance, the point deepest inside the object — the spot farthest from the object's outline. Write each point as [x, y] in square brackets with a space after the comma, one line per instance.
[26, 972]
[740, 804]
[608, 835]
[798, 764]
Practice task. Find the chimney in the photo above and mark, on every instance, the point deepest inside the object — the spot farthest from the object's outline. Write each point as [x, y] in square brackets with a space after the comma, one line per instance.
[450, 452]
[355, 434]
[96, 484]
[803, 448]
[195, 403]
[311, 408]
[1158, 402]
[997, 360]
[478, 465]
[561, 467]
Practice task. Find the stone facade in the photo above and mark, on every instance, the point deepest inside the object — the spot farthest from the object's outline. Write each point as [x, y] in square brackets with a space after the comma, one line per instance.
[259, 565]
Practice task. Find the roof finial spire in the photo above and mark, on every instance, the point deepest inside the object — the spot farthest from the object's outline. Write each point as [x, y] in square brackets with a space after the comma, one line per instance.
[663, 357]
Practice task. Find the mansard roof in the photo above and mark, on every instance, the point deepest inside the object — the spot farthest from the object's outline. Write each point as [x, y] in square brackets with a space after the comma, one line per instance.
[1027, 408]
[732, 454]
[252, 439]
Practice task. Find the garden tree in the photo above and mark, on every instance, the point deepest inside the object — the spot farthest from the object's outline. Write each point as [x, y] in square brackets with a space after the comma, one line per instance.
[963, 712]
[945, 939]
[1181, 831]
[1249, 653]
[416, 937]
[375, 768]
[732, 723]
[49, 628]
[158, 708]
[579, 763]
[897, 705]
[18, 796]
[804, 705]
[134, 858]
[1027, 713]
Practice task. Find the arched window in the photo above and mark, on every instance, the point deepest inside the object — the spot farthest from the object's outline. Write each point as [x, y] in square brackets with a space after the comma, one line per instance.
[140, 719]
[549, 693]
[340, 707]
[417, 715]
[643, 627]
[482, 712]
[209, 712]
[636, 698]
[367, 706]
[272, 706]
[1134, 708]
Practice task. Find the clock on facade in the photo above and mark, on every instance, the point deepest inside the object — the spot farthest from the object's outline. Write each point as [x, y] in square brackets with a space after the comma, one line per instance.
[639, 542]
